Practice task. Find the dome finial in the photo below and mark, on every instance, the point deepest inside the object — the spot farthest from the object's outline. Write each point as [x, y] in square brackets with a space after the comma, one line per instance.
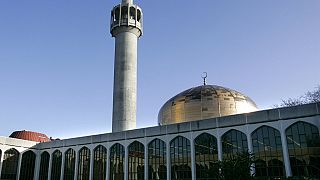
[204, 77]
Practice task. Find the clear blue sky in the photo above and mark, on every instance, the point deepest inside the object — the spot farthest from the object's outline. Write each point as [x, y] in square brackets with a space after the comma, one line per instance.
[56, 57]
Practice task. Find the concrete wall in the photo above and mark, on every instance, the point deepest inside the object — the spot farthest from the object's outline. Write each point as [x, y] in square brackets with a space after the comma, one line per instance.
[125, 80]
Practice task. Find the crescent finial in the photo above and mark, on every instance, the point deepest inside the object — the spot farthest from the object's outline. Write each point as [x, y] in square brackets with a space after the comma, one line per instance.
[204, 77]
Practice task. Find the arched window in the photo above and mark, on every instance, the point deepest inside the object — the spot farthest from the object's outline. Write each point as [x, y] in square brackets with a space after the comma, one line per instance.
[10, 164]
[117, 14]
[84, 164]
[44, 166]
[117, 154]
[180, 157]
[69, 165]
[157, 160]
[56, 165]
[132, 13]
[100, 163]
[233, 142]
[136, 161]
[267, 149]
[112, 17]
[124, 13]
[27, 165]
[304, 149]
[139, 15]
[206, 154]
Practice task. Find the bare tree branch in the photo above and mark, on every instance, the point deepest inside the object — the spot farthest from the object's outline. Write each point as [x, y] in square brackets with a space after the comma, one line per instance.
[308, 97]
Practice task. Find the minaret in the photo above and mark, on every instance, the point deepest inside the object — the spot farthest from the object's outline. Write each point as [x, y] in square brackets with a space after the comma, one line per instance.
[126, 27]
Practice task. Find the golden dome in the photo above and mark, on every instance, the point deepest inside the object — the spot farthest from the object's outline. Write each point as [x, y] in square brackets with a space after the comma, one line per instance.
[204, 102]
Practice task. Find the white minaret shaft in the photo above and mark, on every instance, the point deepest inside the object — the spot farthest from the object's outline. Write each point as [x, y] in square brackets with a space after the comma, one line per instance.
[126, 27]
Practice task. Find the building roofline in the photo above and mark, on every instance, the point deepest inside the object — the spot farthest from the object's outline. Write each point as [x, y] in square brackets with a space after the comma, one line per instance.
[269, 115]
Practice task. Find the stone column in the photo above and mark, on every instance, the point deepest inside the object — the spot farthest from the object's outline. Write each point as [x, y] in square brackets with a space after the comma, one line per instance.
[250, 150]
[285, 151]
[50, 166]
[19, 165]
[126, 161]
[146, 162]
[193, 158]
[62, 165]
[1, 161]
[219, 143]
[168, 161]
[76, 165]
[108, 164]
[91, 163]
[37, 166]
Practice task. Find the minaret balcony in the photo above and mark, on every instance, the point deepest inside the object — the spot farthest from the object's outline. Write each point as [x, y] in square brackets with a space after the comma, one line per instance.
[126, 15]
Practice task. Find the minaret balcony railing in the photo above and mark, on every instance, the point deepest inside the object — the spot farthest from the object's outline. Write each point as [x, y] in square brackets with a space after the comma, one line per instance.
[126, 15]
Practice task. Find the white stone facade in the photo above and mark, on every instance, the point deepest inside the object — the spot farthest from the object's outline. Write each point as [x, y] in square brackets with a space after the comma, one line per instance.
[279, 119]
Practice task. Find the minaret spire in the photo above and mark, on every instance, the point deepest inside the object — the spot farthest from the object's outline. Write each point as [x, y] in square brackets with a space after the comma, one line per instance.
[127, 1]
[126, 28]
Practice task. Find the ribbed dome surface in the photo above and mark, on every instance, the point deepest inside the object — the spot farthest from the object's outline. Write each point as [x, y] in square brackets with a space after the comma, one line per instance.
[30, 136]
[203, 102]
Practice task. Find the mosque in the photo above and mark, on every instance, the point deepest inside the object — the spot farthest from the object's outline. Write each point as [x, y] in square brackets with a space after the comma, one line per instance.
[197, 127]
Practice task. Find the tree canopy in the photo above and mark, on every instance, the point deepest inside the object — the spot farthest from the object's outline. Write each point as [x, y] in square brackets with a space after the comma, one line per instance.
[308, 97]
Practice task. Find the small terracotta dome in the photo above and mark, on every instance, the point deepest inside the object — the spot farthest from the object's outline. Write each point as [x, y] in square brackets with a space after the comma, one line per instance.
[30, 136]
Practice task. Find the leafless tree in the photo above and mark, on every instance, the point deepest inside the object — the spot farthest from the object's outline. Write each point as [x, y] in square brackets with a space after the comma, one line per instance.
[308, 97]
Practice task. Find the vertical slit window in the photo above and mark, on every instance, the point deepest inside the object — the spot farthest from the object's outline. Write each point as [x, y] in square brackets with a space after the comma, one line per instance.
[10, 164]
[56, 165]
[180, 157]
[304, 149]
[136, 161]
[157, 160]
[206, 154]
[27, 165]
[44, 166]
[84, 164]
[69, 165]
[117, 154]
[100, 163]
